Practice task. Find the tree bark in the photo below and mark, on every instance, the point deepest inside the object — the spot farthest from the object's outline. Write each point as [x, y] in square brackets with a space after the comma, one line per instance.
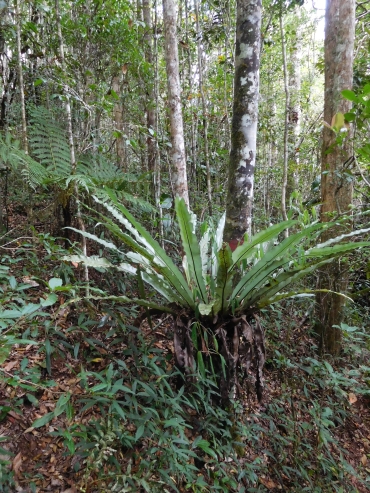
[294, 108]
[336, 189]
[204, 106]
[178, 159]
[20, 77]
[150, 106]
[244, 121]
[118, 112]
[67, 208]
[286, 126]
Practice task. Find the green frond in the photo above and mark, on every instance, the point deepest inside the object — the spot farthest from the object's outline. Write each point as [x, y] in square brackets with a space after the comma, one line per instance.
[49, 143]
[191, 247]
[13, 157]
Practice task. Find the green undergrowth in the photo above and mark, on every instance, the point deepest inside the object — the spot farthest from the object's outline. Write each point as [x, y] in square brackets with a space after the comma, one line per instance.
[147, 432]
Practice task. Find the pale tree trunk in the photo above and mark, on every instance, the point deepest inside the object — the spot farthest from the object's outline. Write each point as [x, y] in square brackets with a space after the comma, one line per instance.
[336, 190]
[204, 107]
[193, 117]
[118, 112]
[294, 109]
[286, 123]
[20, 77]
[157, 161]
[68, 111]
[178, 159]
[150, 107]
[244, 121]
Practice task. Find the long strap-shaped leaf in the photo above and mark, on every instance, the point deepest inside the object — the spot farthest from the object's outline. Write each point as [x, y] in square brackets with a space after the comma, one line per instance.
[323, 251]
[191, 247]
[260, 272]
[283, 280]
[125, 300]
[160, 258]
[341, 237]
[297, 294]
[244, 250]
[327, 254]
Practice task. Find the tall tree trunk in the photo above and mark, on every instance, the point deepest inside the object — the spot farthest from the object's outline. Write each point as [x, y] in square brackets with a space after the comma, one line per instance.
[336, 190]
[68, 111]
[20, 77]
[178, 159]
[150, 107]
[119, 121]
[294, 108]
[286, 124]
[244, 121]
[204, 106]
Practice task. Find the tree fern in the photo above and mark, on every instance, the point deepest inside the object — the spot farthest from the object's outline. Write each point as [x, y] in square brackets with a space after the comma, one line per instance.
[49, 144]
[13, 157]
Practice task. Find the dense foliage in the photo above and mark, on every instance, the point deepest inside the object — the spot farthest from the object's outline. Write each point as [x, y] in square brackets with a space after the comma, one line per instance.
[134, 342]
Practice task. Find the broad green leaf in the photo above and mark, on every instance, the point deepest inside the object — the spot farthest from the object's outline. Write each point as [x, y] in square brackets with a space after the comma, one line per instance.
[205, 309]
[139, 432]
[260, 273]
[119, 410]
[248, 247]
[55, 282]
[46, 418]
[10, 314]
[350, 95]
[190, 245]
[50, 300]
[366, 89]
[98, 387]
[283, 280]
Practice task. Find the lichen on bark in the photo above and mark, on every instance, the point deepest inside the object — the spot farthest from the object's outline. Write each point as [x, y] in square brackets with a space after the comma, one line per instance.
[244, 122]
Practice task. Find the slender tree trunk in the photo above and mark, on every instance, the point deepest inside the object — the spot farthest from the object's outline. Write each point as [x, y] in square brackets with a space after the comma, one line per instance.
[119, 121]
[244, 121]
[68, 111]
[204, 107]
[150, 107]
[294, 109]
[178, 159]
[20, 77]
[336, 190]
[286, 124]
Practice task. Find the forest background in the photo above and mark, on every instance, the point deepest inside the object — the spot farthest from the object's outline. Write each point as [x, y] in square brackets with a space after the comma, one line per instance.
[90, 399]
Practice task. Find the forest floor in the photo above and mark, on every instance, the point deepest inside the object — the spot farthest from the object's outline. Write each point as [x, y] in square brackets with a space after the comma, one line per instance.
[314, 416]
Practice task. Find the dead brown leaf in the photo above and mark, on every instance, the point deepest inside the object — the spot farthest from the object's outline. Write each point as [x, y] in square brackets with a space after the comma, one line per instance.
[9, 366]
[352, 398]
[17, 463]
[268, 483]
